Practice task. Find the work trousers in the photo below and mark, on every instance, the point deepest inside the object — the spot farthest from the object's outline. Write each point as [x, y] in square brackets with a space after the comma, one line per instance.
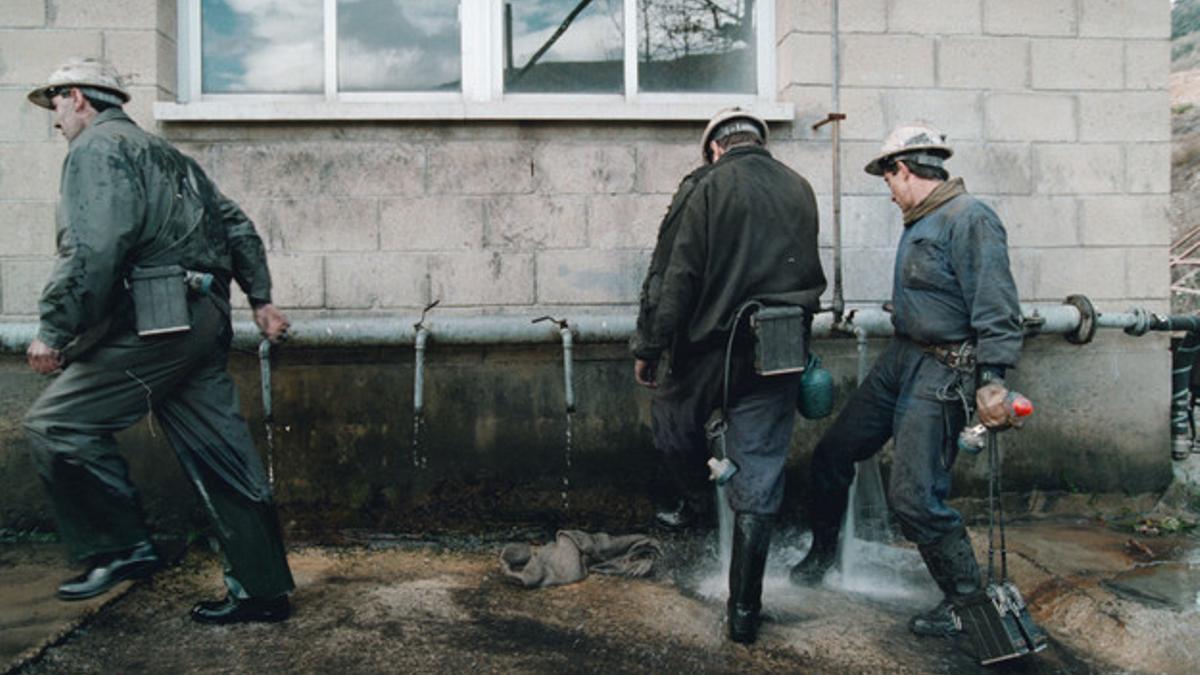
[183, 379]
[917, 400]
[760, 420]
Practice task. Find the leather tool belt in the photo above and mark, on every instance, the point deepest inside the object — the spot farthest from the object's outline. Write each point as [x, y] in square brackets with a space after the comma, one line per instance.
[956, 355]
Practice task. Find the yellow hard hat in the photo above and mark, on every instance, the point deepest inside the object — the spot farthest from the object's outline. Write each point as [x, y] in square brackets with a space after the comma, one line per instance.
[82, 72]
[920, 143]
[730, 121]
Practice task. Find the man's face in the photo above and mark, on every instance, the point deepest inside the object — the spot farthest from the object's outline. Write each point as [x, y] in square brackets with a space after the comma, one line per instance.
[68, 108]
[898, 182]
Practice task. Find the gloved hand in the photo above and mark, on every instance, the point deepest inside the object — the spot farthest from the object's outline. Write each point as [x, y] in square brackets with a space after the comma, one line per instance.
[994, 412]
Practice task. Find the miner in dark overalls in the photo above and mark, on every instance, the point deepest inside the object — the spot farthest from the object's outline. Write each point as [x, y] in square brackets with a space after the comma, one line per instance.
[957, 331]
[131, 204]
[743, 227]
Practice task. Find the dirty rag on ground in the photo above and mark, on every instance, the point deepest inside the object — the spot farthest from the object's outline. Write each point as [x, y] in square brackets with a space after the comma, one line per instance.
[574, 553]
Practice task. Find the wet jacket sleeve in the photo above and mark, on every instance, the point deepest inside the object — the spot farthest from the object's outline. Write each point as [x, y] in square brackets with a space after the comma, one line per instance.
[645, 344]
[101, 208]
[249, 255]
[684, 273]
[979, 256]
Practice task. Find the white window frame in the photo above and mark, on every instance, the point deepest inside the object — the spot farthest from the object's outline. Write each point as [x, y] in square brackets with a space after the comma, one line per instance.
[482, 96]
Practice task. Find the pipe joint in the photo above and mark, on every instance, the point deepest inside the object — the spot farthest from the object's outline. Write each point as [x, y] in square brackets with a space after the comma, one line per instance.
[1140, 324]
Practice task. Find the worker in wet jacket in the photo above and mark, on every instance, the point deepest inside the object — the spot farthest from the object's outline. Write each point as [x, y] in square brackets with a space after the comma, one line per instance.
[742, 228]
[133, 209]
[957, 331]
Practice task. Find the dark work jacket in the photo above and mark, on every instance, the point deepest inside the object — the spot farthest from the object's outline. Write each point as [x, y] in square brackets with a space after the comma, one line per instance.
[747, 230]
[952, 282]
[130, 198]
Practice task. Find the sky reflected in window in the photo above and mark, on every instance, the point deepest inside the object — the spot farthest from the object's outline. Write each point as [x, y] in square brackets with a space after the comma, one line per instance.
[566, 46]
[262, 46]
[399, 45]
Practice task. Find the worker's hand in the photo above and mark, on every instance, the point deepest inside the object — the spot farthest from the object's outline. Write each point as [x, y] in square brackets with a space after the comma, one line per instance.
[271, 322]
[645, 372]
[43, 358]
[993, 411]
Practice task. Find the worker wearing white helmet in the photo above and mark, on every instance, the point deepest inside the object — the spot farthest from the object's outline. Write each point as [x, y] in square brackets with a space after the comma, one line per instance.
[957, 331]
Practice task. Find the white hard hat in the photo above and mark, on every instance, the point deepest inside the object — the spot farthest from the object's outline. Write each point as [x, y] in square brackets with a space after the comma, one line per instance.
[82, 72]
[918, 142]
[730, 121]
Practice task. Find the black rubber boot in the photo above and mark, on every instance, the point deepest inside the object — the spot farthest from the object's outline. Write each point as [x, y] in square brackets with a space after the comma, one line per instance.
[951, 562]
[751, 540]
[681, 494]
[822, 556]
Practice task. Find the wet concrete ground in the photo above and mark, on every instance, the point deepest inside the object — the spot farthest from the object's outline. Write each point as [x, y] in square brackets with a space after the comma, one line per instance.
[394, 604]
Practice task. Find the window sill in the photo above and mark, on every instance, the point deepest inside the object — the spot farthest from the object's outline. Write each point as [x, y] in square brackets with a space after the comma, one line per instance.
[517, 108]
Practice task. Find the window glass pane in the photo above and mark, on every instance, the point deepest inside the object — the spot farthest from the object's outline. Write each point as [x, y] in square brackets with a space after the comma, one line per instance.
[696, 45]
[399, 45]
[262, 46]
[558, 46]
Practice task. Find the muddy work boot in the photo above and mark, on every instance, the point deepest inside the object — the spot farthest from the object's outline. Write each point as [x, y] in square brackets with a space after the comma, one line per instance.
[823, 554]
[751, 540]
[951, 562]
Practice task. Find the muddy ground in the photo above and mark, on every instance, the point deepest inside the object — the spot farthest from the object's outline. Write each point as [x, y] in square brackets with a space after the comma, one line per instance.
[1111, 601]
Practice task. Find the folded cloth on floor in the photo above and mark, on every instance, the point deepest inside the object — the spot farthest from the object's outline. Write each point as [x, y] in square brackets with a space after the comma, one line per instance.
[573, 554]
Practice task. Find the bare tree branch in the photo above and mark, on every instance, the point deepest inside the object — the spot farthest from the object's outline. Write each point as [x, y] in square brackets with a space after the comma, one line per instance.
[562, 28]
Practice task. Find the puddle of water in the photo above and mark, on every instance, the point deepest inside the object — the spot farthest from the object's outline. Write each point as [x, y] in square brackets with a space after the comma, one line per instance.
[1170, 584]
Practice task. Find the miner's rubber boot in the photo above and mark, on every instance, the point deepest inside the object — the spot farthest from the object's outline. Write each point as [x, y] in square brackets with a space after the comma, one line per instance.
[823, 554]
[751, 540]
[951, 562]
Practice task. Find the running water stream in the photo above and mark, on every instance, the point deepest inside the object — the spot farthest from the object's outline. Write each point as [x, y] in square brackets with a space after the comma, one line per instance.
[566, 479]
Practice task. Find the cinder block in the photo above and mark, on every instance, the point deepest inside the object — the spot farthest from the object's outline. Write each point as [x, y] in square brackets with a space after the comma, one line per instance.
[867, 273]
[135, 54]
[958, 114]
[316, 224]
[994, 168]
[535, 222]
[107, 14]
[1148, 168]
[141, 107]
[863, 108]
[308, 168]
[1078, 169]
[935, 17]
[1029, 17]
[1030, 117]
[366, 280]
[1098, 273]
[887, 61]
[662, 166]
[590, 277]
[983, 63]
[855, 181]
[29, 56]
[480, 168]
[566, 169]
[30, 171]
[1125, 220]
[804, 59]
[22, 121]
[811, 159]
[1042, 222]
[440, 223]
[167, 16]
[625, 221]
[867, 222]
[27, 228]
[297, 281]
[1024, 264]
[1147, 64]
[167, 74]
[1127, 116]
[1147, 273]
[482, 278]
[32, 14]
[1125, 18]
[21, 285]
[1077, 64]
[813, 16]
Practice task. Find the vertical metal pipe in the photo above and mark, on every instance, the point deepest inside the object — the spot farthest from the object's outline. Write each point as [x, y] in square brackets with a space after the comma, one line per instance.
[568, 366]
[839, 303]
[419, 371]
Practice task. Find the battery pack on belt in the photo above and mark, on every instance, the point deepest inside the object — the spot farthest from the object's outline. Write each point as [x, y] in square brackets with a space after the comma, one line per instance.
[160, 300]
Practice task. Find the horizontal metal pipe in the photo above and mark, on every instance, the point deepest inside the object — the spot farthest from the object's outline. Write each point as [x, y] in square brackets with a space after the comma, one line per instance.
[585, 328]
